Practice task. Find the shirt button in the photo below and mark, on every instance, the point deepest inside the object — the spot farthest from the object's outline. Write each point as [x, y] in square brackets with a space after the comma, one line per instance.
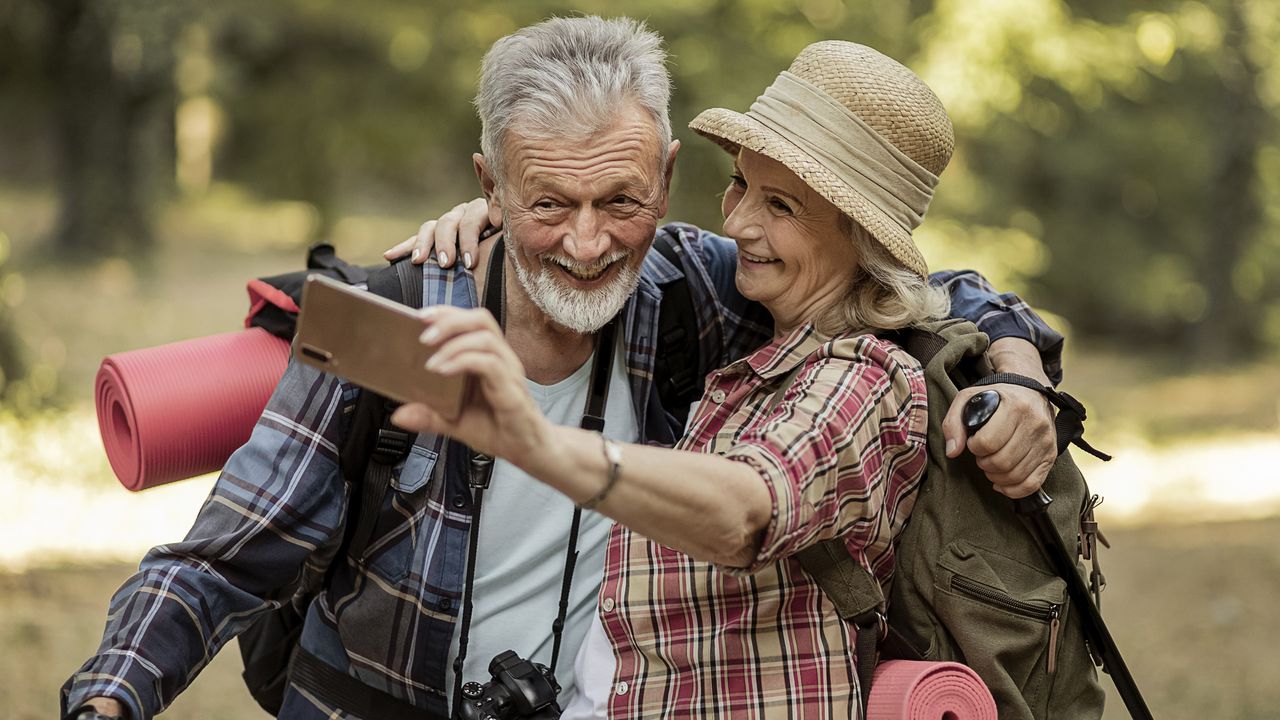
[717, 396]
[446, 604]
[607, 604]
[459, 501]
[622, 688]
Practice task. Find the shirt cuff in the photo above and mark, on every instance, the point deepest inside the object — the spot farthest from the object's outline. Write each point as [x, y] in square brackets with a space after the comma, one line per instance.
[779, 530]
[91, 682]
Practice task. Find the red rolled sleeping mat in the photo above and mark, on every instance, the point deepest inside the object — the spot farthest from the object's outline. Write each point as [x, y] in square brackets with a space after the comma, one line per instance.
[918, 690]
[176, 411]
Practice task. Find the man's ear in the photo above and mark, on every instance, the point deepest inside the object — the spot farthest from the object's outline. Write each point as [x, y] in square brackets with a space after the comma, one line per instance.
[672, 149]
[489, 186]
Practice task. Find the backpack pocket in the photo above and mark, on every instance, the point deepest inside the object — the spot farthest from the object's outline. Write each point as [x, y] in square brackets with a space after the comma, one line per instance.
[1005, 617]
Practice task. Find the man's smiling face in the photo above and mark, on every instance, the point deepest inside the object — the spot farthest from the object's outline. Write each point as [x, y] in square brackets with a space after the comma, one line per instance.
[580, 214]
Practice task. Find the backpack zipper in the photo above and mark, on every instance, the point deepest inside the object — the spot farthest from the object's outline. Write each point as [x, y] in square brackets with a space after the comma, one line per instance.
[1044, 611]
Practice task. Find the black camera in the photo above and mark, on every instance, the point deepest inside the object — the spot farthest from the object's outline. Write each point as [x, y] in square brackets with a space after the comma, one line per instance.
[519, 689]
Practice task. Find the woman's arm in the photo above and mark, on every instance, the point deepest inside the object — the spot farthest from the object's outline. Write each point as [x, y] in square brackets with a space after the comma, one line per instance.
[706, 506]
[817, 467]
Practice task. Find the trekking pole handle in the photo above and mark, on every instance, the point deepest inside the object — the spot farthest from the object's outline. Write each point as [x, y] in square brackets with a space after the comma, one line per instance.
[977, 411]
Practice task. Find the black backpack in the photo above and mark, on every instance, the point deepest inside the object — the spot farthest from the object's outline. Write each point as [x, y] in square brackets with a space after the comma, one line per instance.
[373, 446]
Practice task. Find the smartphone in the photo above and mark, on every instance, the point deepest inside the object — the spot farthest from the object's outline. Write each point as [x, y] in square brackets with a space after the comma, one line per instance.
[373, 342]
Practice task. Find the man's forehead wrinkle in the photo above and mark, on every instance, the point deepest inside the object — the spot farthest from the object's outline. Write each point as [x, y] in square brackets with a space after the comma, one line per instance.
[563, 167]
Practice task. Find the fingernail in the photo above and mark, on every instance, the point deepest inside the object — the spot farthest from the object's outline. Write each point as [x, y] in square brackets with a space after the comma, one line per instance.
[443, 257]
[951, 446]
[431, 363]
[466, 260]
[413, 257]
[429, 335]
[427, 312]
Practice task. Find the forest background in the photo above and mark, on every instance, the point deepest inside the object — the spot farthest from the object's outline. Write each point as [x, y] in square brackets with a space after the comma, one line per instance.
[1117, 165]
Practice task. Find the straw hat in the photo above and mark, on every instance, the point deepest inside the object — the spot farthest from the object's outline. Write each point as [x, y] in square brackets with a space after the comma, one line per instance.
[865, 96]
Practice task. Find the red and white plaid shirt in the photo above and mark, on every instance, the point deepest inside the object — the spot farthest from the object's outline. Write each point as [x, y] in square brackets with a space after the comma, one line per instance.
[842, 454]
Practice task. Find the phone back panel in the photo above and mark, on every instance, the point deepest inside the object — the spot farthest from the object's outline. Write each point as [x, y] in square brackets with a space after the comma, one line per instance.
[373, 342]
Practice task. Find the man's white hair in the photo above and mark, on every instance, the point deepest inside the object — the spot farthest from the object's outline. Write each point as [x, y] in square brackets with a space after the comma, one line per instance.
[569, 78]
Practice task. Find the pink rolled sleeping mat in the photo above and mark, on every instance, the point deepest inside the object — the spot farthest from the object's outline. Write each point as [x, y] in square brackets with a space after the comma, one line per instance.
[916, 690]
[176, 411]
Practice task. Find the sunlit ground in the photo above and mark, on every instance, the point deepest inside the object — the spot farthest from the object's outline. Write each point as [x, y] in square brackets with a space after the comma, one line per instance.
[64, 505]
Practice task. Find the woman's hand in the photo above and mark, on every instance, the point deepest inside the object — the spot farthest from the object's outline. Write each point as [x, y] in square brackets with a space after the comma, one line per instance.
[499, 417]
[455, 234]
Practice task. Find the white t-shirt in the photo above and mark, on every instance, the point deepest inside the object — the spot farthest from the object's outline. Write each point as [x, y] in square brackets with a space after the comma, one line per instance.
[593, 669]
[524, 533]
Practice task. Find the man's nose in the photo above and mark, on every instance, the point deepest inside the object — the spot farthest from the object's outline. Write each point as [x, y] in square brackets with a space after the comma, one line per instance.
[587, 240]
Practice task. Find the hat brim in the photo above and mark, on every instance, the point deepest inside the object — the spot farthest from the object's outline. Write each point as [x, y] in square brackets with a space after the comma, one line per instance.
[733, 130]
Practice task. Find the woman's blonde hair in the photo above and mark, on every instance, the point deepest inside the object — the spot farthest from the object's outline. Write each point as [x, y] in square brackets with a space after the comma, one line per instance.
[884, 294]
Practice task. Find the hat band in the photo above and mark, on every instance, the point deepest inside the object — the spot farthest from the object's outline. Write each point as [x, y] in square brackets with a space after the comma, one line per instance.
[845, 145]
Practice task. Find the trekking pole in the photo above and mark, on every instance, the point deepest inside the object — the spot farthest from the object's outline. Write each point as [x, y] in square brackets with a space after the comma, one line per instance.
[1034, 509]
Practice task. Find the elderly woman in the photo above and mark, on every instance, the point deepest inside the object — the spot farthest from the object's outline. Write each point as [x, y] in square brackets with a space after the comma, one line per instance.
[704, 604]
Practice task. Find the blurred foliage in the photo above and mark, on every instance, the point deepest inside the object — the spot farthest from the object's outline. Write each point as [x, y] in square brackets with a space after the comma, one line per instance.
[1116, 162]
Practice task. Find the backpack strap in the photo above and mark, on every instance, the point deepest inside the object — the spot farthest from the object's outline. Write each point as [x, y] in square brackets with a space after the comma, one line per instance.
[369, 454]
[373, 445]
[322, 256]
[1069, 423]
[847, 584]
[676, 365]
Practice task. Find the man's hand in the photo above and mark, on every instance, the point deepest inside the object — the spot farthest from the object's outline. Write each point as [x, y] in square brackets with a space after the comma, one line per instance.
[1019, 445]
[107, 706]
[455, 234]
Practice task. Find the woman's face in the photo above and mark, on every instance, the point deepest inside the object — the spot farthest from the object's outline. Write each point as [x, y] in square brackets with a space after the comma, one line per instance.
[794, 257]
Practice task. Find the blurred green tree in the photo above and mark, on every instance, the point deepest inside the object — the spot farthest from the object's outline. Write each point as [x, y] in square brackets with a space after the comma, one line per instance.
[1116, 163]
[110, 69]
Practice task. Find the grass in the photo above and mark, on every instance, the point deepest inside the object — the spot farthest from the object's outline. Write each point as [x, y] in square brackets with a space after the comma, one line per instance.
[1190, 607]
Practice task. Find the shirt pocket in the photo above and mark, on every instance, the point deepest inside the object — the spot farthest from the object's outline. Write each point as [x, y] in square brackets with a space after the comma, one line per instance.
[394, 540]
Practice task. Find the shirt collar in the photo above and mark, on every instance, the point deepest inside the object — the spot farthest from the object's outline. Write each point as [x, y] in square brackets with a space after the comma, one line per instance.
[782, 354]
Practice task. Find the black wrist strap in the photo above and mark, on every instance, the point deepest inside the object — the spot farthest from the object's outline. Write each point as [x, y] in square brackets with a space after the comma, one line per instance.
[1069, 423]
[481, 470]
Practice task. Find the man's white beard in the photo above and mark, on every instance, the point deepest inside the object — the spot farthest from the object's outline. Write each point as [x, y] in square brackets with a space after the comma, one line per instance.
[578, 310]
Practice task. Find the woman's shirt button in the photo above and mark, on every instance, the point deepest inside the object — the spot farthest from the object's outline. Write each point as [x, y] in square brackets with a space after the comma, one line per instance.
[622, 688]
[607, 604]
[717, 396]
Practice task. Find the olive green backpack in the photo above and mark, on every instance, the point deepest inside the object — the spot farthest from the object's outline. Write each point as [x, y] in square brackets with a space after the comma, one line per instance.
[971, 584]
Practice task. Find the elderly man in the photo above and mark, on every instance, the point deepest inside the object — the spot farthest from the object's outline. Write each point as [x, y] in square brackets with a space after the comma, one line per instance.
[576, 167]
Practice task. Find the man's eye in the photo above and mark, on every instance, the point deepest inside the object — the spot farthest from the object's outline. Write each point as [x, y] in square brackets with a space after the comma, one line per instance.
[622, 200]
[546, 204]
[738, 181]
[779, 204]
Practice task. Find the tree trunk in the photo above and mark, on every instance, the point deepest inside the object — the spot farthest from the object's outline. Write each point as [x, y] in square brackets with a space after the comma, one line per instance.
[1229, 327]
[110, 128]
[11, 365]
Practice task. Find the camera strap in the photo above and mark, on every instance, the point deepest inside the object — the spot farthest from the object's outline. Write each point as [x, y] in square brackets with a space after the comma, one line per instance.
[481, 469]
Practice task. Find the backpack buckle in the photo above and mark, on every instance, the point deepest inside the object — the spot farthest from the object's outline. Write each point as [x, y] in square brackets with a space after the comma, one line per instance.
[876, 619]
[392, 445]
